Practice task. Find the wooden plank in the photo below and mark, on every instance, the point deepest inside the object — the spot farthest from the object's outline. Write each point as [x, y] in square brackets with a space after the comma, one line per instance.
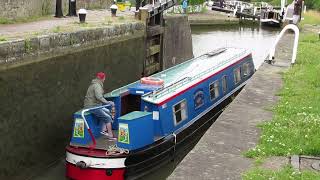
[153, 68]
[153, 50]
[154, 30]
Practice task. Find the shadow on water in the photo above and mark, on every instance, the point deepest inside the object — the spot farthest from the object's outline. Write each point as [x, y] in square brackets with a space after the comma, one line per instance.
[205, 38]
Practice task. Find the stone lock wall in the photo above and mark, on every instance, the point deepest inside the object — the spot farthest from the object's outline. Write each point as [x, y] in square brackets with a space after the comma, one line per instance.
[177, 40]
[43, 81]
[40, 91]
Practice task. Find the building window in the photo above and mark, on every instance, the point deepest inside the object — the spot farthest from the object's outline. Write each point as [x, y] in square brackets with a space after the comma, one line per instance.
[237, 75]
[198, 99]
[224, 84]
[180, 111]
[214, 90]
[246, 69]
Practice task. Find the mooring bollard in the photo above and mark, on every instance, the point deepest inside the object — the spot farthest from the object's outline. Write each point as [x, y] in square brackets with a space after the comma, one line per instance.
[72, 8]
[82, 15]
[114, 9]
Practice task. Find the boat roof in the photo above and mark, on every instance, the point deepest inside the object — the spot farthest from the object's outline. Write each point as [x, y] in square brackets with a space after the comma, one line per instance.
[185, 75]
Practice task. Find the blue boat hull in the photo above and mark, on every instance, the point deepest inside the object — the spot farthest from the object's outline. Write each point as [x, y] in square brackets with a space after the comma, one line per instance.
[173, 147]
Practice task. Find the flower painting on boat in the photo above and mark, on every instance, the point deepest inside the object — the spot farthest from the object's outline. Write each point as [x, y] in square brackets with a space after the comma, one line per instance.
[124, 133]
[78, 128]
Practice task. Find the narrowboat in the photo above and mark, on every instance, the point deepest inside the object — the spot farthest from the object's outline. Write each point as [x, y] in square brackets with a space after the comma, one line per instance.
[157, 118]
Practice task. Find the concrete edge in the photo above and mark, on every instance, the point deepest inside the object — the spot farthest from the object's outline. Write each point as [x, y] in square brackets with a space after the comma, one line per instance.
[58, 43]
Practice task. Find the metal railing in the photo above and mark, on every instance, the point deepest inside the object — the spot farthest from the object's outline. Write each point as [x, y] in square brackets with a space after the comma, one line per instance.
[295, 45]
[87, 125]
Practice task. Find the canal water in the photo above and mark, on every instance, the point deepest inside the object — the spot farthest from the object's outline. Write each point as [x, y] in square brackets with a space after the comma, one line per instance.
[205, 38]
[254, 38]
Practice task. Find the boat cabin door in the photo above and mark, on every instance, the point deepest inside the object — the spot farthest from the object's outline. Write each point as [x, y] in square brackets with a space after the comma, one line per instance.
[129, 103]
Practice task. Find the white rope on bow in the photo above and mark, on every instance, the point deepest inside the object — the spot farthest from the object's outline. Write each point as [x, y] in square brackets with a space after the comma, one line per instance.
[115, 150]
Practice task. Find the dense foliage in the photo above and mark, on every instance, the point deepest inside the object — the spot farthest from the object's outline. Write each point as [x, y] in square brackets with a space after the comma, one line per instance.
[311, 4]
[193, 2]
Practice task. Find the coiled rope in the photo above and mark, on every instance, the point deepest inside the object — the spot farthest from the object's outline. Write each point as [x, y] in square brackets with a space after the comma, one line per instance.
[115, 150]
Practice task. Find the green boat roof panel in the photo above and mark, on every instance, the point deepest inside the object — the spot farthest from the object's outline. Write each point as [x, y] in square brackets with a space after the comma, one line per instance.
[134, 115]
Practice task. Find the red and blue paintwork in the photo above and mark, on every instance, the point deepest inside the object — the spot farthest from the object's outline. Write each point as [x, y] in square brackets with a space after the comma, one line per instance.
[172, 138]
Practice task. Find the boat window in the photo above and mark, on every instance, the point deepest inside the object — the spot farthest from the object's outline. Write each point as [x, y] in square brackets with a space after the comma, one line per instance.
[246, 69]
[198, 99]
[224, 84]
[237, 75]
[214, 90]
[180, 111]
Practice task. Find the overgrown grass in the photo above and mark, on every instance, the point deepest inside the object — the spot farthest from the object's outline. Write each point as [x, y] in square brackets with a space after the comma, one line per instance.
[283, 174]
[5, 21]
[56, 29]
[23, 20]
[311, 17]
[121, 18]
[2, 39]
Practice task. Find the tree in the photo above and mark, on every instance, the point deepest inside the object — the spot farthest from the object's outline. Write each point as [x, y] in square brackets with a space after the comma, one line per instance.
[313, 4]
[58, 9]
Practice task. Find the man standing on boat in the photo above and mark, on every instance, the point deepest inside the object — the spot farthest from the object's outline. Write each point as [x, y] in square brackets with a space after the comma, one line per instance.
[94, 98]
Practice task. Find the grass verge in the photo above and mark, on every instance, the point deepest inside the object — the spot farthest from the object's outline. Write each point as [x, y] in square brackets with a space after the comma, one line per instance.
[311, 17]
[283, 174]
[294, 128]
[23, 20]
[2, 39]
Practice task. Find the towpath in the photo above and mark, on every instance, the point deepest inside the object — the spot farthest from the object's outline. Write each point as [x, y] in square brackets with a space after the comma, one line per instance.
[218, 155]
[97, 18]
[94, 18]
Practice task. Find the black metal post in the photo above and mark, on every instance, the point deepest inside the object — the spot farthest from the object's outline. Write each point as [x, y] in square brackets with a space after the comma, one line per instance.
[58, 13]
[137, 4]
[72, 8]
